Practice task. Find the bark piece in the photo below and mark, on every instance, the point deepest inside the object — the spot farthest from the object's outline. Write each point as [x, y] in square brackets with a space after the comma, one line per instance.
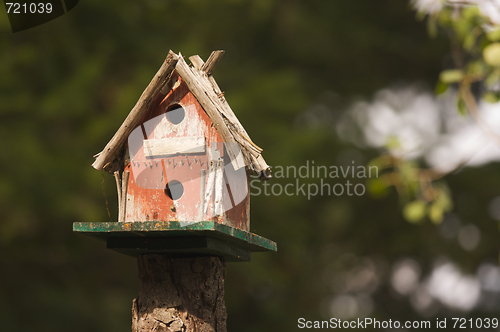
[180, 294]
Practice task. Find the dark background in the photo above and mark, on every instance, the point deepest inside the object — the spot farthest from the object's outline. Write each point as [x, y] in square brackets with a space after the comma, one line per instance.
[67, 85]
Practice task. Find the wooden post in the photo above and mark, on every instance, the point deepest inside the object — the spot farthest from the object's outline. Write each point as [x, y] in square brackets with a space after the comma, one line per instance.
[180, 294]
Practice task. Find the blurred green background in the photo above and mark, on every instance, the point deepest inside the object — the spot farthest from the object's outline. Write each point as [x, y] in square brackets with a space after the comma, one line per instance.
[291, 72]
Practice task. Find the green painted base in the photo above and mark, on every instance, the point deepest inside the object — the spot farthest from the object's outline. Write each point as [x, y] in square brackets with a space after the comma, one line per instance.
[205, 238]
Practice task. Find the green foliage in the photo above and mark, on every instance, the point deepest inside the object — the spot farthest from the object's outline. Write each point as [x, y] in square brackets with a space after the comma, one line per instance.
[491, 97]
[462, 108]
[419, 195]
[493, 35]
[440, 205]
[440, 88]
[451, 76]
[475, 51]
[415, 211]
[491, 54]
[378, 187]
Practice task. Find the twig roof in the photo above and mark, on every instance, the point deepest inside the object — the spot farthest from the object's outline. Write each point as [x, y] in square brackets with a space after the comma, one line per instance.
[202, 85]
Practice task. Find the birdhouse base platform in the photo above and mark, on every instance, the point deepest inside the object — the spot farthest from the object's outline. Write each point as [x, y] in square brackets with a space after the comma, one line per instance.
[205, 238]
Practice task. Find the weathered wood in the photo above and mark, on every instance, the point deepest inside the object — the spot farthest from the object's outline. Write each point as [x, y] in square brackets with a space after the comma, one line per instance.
[201, 207]
[119, 189]
[219, 188]
[180, 294]
[217, 90]
[111, 149]
[196, 61]
[209, 66]
[173, 145]
[210, 185]
[123, 201]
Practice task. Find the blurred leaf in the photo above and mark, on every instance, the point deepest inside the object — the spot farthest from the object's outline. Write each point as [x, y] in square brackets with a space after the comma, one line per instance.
[493, 35]
[470, 39]
[440, 88]
[381, 162]
[436, 213]
[462, 28]
[491, 97]
[378, 187]
[393, 143]
[462, 109]
[432, 27]
[470, 13]
[491, 54]
[476, 69]
[444, 18]
[451, 76]
[408, 171]
[492, 78]
[441, 204]
[414, 211]
[443, 198]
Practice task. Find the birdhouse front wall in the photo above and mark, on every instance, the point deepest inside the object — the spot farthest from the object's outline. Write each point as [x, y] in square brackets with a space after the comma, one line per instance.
[178, 166]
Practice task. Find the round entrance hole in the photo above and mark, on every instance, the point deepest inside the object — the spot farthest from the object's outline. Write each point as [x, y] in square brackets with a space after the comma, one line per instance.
[175, 113]
[174, 189]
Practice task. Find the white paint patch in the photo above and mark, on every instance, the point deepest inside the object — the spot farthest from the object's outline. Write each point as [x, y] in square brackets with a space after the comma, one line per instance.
[173, 145]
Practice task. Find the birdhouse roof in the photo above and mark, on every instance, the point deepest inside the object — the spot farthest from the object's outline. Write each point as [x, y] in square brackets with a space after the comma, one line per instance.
[198, 78]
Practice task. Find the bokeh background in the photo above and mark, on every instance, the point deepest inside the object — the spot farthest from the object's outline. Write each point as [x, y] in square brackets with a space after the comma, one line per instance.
[323, 81]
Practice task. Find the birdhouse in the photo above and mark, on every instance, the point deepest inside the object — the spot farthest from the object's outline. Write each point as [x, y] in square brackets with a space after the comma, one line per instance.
[182, 161]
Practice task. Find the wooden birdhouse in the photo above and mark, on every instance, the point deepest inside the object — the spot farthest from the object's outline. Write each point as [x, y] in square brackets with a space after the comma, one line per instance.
[182, 161]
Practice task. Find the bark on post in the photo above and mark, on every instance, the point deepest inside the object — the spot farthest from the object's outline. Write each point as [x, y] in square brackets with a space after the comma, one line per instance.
[180, 294]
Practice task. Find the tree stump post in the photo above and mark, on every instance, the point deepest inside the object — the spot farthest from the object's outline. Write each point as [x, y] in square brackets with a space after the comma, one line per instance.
[180, 294]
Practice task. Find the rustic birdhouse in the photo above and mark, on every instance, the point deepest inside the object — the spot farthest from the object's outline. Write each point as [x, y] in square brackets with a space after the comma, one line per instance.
[182, 162]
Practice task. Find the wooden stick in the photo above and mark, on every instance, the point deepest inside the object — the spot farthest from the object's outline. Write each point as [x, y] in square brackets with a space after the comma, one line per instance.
[119, 189]
[109, 152]
[123, 206]
[196, 61]
[229, 191]
[209, 66]
[219, 188]
[201, 208]
[209, 189]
